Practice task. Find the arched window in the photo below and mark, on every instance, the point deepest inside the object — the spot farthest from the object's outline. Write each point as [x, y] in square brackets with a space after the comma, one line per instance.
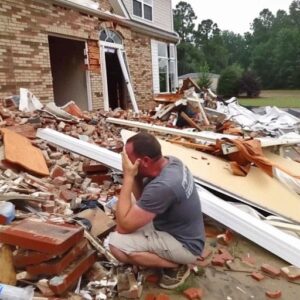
[107, 35]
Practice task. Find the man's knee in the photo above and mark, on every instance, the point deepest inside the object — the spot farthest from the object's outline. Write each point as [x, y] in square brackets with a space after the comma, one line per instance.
[119, 254]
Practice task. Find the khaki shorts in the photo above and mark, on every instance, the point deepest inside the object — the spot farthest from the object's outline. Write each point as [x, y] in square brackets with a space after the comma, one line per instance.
[147, 239]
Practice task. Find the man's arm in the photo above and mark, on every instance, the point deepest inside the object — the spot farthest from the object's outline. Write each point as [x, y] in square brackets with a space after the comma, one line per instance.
[129, 216]
[137, 189]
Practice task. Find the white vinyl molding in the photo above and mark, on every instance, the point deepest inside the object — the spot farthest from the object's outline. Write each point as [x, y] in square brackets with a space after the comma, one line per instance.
[267, 236]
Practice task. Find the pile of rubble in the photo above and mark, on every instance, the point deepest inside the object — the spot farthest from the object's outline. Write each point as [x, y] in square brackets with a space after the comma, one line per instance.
[61, 204]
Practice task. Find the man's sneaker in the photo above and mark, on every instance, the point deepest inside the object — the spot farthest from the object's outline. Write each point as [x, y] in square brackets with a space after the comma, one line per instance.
[172, 278]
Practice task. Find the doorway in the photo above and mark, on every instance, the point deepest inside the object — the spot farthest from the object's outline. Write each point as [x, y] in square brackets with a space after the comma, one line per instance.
[117, 95]
[68, 71]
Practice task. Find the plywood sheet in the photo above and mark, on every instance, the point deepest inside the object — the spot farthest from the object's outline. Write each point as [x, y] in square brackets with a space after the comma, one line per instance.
[257, 188]
[101, 223]
[18, 150]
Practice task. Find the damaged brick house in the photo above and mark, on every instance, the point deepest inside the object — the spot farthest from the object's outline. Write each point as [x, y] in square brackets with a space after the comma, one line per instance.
[101, 54]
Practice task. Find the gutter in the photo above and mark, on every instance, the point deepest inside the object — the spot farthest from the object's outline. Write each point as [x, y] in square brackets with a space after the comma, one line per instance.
[140, 28]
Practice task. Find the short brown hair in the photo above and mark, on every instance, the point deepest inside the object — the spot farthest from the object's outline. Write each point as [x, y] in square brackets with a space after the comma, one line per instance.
[145, 144]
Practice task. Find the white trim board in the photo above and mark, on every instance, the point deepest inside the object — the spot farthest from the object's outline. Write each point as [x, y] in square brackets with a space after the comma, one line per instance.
[207, 136]
[102, 155]
[276, 241]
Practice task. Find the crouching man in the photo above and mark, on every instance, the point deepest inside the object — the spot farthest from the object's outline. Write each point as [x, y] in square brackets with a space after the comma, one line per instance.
[164, 228]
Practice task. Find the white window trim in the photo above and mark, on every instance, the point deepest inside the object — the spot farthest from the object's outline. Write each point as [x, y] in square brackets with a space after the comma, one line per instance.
[143, 15]
[169, 59]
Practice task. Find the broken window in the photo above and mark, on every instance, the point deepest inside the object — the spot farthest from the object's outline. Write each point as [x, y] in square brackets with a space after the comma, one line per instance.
[167, 67]
[110, 36]
[143, 9]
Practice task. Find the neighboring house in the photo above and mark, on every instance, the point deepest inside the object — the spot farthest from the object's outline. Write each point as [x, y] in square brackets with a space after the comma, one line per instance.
[195, 76]
[101, 54]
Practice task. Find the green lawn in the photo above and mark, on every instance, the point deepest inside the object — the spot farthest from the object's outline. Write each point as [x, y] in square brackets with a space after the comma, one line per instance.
[279, 98]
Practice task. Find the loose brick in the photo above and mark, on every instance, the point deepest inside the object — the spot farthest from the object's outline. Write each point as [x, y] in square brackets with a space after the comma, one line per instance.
[68, 195]
[257, 276]
[291, 272]
[60, 284]
[193, 293]
[224, 253]
[23, 258]
[42, 237]
[150, 297]
[270, 270]
[58, 265]
[57, 171]
[218, 260]
[273, 294]
[152, 278]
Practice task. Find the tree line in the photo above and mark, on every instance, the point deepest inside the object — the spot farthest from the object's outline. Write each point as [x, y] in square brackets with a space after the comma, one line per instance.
[270, 51]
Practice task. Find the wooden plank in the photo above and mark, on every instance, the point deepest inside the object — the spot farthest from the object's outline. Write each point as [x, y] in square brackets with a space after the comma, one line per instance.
[101, 223]
[257, 188]
[19, 150]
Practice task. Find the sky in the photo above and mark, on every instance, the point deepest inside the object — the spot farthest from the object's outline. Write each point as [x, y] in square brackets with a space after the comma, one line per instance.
[234, 15]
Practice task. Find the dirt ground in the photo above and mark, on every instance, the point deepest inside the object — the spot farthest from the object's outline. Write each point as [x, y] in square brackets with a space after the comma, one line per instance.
[220, 284]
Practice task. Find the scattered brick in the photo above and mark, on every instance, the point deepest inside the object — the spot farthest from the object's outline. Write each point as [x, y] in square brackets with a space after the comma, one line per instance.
[42, 237]
[225, 238]
[270, 270]
[274, 295]
[150, 297]
[68, 195]
[218, 260]
[152, 278]
[57, 171]
[23, 258]
[291, 272]
[257, 276]
[162, 297]
[225, 254]
[193, 293]
[57, 266]
[60, 284]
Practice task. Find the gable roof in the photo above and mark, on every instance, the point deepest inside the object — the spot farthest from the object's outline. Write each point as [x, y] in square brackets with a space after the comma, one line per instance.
[125, 21]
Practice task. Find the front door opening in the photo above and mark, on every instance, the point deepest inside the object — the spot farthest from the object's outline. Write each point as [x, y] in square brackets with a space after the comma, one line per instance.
[68, 71]
[117, 95]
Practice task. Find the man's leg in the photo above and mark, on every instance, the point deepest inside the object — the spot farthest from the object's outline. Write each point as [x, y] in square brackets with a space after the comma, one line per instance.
[145, 259]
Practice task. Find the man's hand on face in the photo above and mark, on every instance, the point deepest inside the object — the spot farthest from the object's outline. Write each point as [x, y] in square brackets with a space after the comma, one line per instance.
[129, 169]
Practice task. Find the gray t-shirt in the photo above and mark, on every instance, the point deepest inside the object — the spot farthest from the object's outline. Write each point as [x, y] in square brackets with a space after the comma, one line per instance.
[173, 197]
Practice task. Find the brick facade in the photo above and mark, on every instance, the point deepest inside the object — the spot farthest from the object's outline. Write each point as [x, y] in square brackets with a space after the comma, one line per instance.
[24, 50]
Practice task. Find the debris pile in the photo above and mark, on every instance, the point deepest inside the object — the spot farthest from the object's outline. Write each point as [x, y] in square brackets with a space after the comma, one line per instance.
[57, 204]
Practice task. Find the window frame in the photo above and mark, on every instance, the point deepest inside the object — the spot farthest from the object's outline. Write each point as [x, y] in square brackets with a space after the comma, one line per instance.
[171, 83]
[143, 3]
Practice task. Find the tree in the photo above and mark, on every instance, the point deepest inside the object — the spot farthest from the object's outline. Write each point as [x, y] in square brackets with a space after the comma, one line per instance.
[295, 12]
[184, 17]
[228, 85]
[204, 80]
[249, 84]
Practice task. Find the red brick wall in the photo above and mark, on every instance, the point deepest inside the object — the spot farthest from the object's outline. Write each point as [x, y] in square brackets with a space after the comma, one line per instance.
[24, 51]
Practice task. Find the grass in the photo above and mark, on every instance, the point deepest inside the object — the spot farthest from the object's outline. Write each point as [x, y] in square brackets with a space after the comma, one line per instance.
[279, 98]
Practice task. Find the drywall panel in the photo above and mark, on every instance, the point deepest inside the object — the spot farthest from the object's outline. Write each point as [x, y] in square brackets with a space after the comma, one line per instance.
[257, 188]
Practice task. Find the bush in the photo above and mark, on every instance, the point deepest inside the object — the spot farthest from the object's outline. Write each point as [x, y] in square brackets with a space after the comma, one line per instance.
[204, 80]
[250, 84]
[228, 85]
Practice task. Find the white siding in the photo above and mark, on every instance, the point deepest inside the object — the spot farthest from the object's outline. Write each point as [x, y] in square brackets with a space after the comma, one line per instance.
[155, 69]
[161, 12]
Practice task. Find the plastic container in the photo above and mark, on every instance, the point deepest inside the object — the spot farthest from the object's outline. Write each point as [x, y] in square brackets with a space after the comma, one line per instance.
[9, 292]
[7, 212]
